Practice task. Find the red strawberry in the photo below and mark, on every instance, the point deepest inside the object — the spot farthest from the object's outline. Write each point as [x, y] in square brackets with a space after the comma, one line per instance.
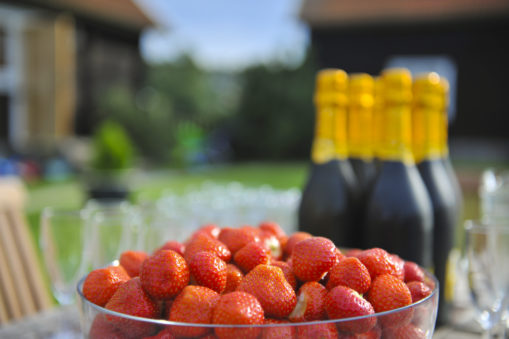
[400, 266]
[268, 284]
[339, 256]
[165, 333]
[164, 274]
[312, 258]
[387, 293]
[202, 242]
[350, 272]
[293, 240]
[238, 308]
[233, 278]
[102, 328]
[210, 229]
[272, 245]
[131, 299]
[208, 270]
[344, 302]
[375, 333]
[236, 238]
[131, 261]
[310, 303]
[418, 290]
[378, 261]
[353, 252]
[251, 255]
[413, 272]
[321, 331]
[102, 283]
[409, 331]
[272, 227]
[172, 245]
[287, 271]
[195, 304]
[279, 331]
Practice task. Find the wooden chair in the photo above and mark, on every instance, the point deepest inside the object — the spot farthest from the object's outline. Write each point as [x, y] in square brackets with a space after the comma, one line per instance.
[22, 288]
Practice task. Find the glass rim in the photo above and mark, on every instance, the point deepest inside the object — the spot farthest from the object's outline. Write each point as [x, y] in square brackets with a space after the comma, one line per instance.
[79, 288]
[50, 211]
[482, 225]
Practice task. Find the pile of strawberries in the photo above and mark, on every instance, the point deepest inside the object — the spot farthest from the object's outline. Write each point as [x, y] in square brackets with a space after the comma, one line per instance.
[254, 276]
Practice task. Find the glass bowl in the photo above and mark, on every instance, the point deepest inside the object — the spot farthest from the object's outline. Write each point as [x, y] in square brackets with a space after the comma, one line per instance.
[414, 321]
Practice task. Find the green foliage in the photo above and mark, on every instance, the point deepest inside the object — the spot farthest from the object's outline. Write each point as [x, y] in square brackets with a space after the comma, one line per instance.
[112, 147]
[275, 115]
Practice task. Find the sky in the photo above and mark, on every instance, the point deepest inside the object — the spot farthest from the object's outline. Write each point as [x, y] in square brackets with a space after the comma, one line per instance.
[225, 34]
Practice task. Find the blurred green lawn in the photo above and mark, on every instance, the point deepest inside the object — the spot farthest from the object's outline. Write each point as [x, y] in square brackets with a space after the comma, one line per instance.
[152, 185]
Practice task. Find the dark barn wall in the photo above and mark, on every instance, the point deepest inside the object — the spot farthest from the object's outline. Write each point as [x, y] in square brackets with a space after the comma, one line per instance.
[479, 49]
[106, 58]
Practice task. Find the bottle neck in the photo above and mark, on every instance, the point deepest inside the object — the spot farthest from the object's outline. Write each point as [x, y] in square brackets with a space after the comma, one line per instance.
[339, 132]
[395, 137]
[444, 136]
[426, 134]
[360, 133]
[322, 149]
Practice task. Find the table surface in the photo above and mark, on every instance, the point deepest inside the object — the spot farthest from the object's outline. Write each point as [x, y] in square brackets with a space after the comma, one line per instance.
[63, 323]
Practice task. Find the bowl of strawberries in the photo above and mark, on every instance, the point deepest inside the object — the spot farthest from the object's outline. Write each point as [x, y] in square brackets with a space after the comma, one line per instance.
[258, 282]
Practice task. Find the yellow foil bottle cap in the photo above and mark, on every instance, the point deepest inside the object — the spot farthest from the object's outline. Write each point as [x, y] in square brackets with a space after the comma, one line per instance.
[397, 83]
[361, 90]
[427, 91]
[331, 87]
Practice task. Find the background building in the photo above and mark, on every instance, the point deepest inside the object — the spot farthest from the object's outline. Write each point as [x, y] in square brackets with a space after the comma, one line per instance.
[56, 59]
[465, 40]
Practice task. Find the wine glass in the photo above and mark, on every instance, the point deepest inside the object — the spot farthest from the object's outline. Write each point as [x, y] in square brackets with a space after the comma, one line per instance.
[113, 227]
[62, 234]
[487, 249]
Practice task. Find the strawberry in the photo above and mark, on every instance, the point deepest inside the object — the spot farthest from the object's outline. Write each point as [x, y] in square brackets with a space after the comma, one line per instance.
[131, 299]
[210, 229]
[172, 245]
[378, 261]
[203, 242]
[339, 256]
[413, 272]
[233, 278]
[409, 331]
[102, 328]
[387, 293]
[287, 271]
[238, 308]
[279, 331]
[312, 258]
[320, 330]
[251, 255]
[102, 283]
[273, 228]
[195, 304]
[236, 238]
[418, 290]
[350, 272]
[353, 252]
[374, 333]
[165, 333]
[272, 245]
[310, 303]
[400, 266]
[293, 240]
[131, 261]
[268, 284]
[344, 302]
[164, 274]
[208, 270]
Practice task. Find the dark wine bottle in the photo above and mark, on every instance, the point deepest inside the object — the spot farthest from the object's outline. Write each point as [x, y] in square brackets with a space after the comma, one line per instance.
[360, 131]
[398, 215]
[327, 206]
[427, 131]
